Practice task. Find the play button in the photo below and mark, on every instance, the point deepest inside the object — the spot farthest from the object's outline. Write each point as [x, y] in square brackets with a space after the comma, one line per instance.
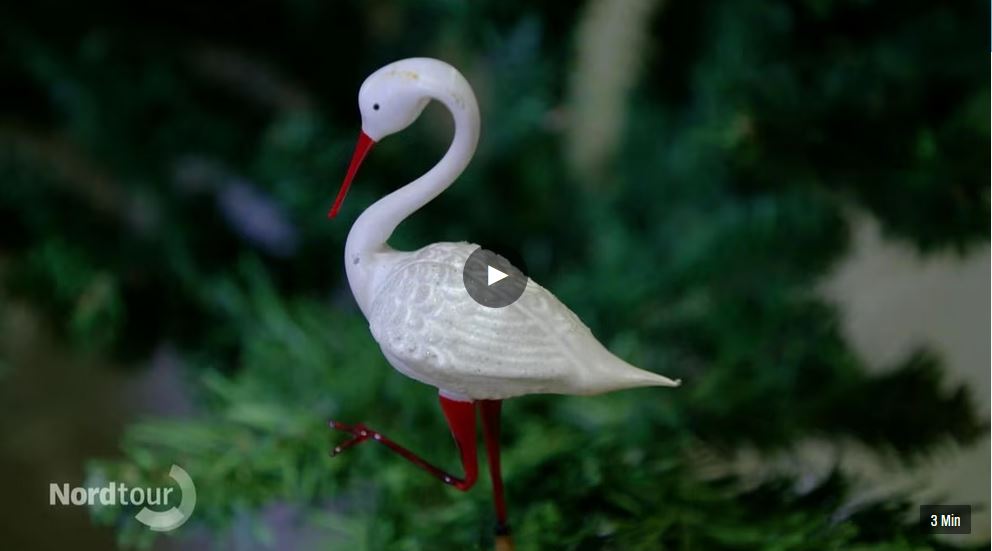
[491, 280]
[494, 276]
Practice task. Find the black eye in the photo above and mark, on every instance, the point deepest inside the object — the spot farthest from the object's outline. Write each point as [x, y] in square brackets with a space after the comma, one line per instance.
[375, 106]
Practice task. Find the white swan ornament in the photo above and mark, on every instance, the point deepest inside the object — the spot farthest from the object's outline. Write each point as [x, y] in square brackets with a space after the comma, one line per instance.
[419, 311]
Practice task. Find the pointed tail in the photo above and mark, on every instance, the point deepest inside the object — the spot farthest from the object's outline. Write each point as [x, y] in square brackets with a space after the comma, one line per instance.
[607, 373]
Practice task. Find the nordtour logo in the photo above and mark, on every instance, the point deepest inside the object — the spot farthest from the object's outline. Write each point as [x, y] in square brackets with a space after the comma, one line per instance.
[116, 493]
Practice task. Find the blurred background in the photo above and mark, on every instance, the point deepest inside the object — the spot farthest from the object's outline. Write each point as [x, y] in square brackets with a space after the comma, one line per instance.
[783, 203]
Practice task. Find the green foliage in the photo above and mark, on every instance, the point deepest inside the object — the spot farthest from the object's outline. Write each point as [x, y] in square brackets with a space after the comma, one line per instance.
[755, 128]
[606, 472]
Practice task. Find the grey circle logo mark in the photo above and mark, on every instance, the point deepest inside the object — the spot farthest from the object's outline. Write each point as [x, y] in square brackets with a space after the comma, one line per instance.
[163, 521]
[491, 280]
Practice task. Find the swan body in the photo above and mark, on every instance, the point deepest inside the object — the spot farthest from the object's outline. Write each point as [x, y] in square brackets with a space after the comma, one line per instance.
[430, 329]
[418, 309]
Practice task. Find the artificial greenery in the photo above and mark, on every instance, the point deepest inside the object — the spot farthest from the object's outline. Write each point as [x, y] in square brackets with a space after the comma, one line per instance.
[165, 177]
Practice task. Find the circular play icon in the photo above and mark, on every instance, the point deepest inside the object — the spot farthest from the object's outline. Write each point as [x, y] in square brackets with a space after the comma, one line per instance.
[491, 280]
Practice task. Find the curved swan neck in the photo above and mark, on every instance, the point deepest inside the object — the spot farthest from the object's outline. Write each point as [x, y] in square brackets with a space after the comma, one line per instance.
[373, 228]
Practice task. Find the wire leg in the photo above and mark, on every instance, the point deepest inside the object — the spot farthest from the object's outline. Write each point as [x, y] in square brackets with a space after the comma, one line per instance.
[490, 429]
[461, 420]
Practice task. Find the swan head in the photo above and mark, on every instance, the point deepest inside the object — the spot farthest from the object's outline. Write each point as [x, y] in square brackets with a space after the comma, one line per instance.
[393, 97]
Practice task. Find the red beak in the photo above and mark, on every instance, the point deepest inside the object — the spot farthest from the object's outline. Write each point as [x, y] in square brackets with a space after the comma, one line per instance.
[363, 146]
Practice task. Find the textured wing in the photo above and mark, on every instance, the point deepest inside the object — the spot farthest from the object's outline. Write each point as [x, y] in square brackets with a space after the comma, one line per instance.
[425, 321]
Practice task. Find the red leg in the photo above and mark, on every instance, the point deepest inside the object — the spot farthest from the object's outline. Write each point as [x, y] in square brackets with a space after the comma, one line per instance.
[490, 429]
[461, 420]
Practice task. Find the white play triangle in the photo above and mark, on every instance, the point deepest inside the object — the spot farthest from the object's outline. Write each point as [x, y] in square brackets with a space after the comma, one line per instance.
[495, 276]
